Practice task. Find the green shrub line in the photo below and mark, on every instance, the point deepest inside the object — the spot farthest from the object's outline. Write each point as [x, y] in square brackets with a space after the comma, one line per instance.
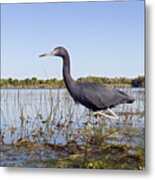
[56, 83]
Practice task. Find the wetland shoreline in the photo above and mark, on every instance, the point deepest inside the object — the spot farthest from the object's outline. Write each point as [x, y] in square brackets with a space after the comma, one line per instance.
[45, 128]
[72, 155]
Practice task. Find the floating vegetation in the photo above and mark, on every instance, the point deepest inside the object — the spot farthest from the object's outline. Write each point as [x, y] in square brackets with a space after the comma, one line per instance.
[45, 128]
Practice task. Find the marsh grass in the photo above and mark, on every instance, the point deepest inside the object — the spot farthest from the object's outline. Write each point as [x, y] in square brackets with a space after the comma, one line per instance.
[59, 133]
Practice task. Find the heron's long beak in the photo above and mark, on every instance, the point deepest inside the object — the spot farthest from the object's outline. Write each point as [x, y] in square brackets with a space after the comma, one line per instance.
[46, 54]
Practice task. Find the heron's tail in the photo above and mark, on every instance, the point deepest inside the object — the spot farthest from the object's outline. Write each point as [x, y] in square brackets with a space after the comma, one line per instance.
[130, 99]
[127, 98]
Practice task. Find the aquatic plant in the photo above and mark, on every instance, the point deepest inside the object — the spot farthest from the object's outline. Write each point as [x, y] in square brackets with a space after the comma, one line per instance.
[49, 121]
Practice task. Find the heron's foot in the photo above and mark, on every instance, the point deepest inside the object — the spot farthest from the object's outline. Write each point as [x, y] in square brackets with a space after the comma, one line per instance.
[112, 115]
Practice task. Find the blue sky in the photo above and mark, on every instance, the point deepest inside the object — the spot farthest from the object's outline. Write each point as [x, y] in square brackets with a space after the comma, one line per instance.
[103, 39]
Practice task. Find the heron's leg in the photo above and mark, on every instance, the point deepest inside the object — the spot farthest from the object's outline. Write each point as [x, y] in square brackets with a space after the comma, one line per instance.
[112, 116]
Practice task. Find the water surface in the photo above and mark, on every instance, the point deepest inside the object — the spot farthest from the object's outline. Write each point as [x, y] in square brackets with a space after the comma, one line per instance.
[33, 120]
[24, 111]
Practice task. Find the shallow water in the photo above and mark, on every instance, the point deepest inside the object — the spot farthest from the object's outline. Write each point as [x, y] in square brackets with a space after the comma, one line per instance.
[45, 116]
[24, 111]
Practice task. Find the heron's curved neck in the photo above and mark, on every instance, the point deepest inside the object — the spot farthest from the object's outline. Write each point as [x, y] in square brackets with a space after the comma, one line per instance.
[66, 71]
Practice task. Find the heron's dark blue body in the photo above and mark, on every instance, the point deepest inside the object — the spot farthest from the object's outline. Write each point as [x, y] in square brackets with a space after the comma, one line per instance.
[92, 95]
[99, 97]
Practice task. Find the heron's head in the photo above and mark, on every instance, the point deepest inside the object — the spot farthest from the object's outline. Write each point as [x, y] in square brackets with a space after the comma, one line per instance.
[58, 51]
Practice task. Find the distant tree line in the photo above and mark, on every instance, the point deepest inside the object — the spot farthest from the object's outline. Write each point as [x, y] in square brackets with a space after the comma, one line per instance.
[55, 83]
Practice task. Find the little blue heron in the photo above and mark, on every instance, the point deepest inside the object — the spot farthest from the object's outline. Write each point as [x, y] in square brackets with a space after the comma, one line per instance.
[94, 96]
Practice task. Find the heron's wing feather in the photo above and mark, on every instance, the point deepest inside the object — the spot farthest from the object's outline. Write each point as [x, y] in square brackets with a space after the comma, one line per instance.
[97, 96]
